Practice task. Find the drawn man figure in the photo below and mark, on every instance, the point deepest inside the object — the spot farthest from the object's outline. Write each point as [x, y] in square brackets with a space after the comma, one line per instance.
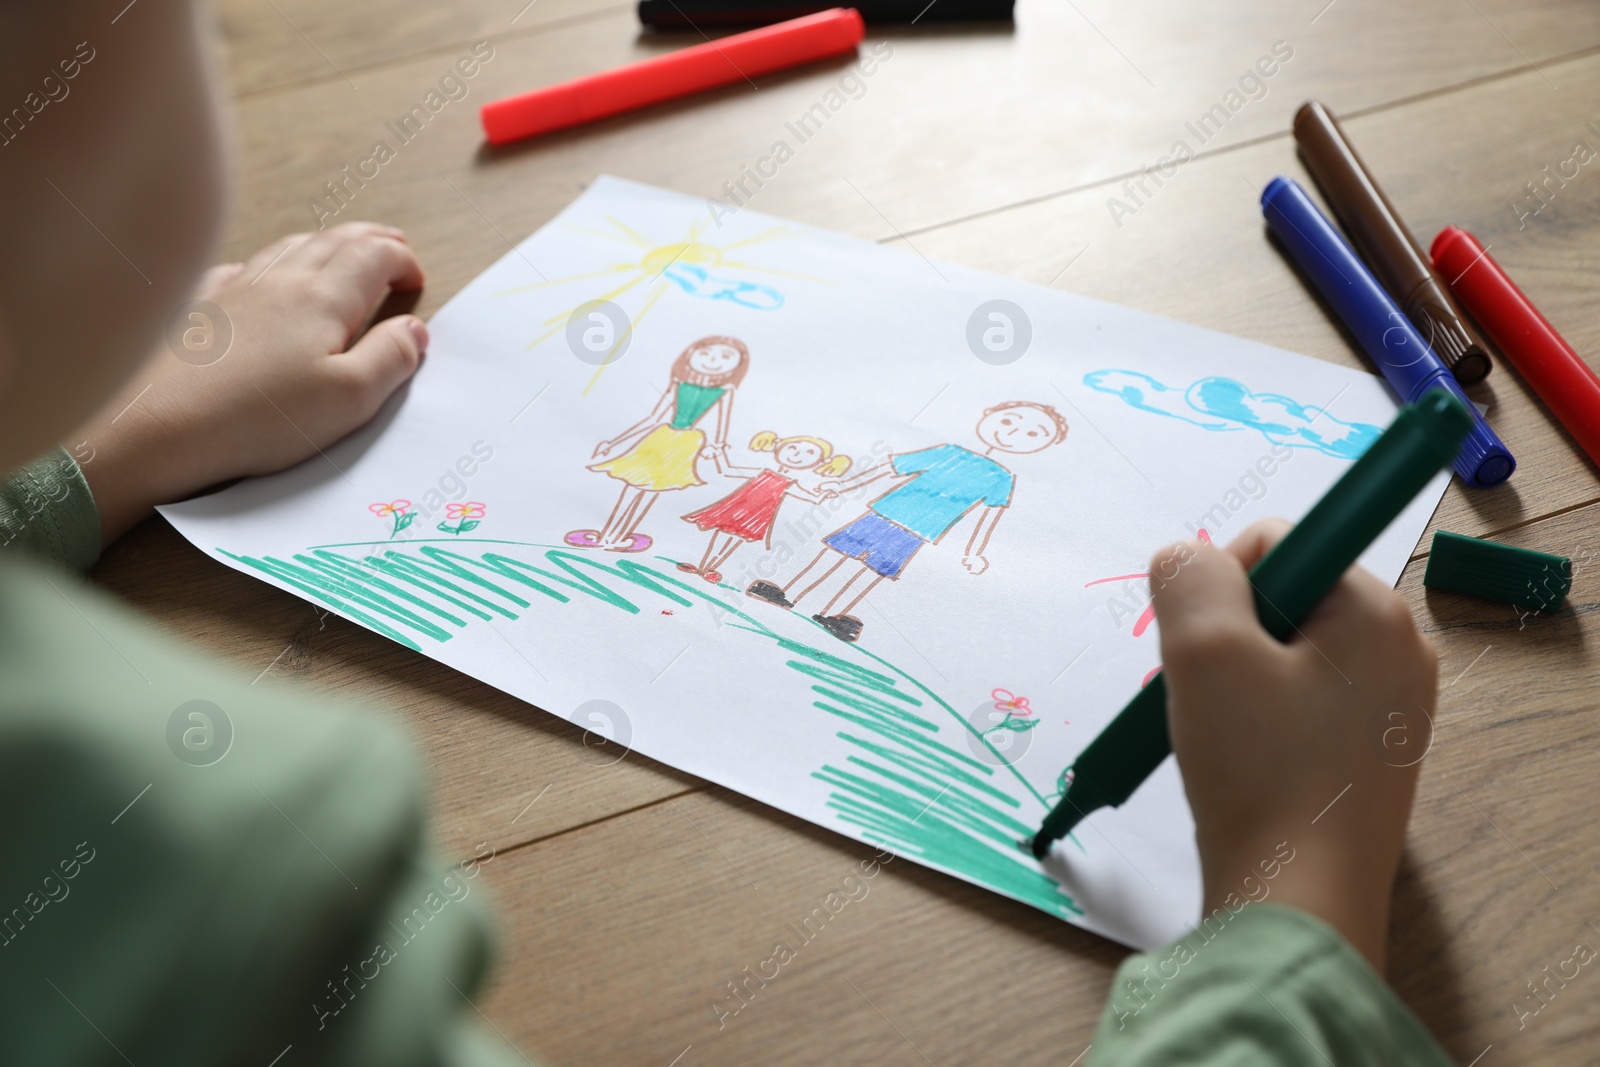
[942, 484]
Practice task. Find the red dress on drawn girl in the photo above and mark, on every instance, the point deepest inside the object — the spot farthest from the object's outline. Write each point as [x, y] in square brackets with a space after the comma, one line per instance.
[664, 444]
[748, 513]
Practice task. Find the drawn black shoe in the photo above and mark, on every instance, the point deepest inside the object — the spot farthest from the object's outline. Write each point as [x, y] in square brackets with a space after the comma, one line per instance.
[844, 627]
[772, 594]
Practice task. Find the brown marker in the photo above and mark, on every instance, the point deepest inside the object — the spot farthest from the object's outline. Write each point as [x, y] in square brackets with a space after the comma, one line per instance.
[1389, 248]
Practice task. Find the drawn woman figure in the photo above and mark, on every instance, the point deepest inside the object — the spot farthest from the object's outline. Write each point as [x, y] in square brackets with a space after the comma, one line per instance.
[747, 514]
[662, 446]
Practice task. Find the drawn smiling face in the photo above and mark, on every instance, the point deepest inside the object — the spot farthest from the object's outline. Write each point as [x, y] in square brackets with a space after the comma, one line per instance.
[713, 360]
[799, 455]
[1018, 430]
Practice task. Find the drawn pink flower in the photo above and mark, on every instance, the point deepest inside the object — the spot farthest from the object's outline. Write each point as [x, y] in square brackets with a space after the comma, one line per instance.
[1015, 712]
[467, 516]
[1006, 701]
[397, 510]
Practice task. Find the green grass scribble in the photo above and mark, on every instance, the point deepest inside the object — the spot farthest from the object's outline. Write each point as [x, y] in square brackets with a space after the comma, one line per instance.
[903, 786]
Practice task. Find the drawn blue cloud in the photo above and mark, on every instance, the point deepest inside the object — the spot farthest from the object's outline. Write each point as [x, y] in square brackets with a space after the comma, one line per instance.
[697, 281]
[1222, 404]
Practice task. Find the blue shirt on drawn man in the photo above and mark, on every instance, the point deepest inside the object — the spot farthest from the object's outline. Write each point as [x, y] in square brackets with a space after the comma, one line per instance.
[949, 481]
[943, 483]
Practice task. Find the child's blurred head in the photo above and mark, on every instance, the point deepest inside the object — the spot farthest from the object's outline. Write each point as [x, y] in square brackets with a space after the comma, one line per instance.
[801, 453]
[713, 361]
[112, 176]
[1021, 426]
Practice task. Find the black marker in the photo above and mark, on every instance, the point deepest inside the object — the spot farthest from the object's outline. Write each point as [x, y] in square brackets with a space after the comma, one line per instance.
[695, 14]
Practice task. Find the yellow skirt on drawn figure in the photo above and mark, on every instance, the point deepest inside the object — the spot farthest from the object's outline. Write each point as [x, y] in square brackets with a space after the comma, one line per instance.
[663, 460]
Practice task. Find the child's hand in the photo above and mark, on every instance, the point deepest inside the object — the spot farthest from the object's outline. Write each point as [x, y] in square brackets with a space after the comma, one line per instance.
[291, 384]
[1286, 742]
[975, 564]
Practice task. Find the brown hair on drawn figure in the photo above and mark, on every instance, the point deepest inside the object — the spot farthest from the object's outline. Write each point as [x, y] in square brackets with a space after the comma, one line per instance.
[682, 372]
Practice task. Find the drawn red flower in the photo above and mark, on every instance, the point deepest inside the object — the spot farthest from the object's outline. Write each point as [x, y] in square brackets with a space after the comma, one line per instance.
[1006, 701]
[471, 509]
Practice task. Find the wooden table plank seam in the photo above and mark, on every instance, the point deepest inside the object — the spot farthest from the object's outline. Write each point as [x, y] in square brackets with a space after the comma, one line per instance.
[1238, 146]
[394, 62]
[1493, 535]
[636, 809]
[447, 50]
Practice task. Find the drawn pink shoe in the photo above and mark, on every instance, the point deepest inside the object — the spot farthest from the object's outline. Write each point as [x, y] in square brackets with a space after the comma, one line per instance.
[714, 577]
[583, 539]
[632, 543]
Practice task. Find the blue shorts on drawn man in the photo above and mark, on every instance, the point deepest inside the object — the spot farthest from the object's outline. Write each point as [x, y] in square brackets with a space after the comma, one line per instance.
[942, 484]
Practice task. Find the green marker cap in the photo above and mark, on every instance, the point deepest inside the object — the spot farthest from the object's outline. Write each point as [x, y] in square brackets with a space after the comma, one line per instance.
[1493, 571]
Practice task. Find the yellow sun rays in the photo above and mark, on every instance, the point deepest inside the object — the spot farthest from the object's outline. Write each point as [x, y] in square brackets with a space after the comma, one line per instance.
[650, 268]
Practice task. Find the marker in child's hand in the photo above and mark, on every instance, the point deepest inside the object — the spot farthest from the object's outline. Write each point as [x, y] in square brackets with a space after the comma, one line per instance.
[1288, 582]
[690, 70]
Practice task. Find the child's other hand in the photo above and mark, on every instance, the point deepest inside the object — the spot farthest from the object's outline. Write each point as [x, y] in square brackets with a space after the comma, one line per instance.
[1286, 742]
[975, 564]
[294, 380]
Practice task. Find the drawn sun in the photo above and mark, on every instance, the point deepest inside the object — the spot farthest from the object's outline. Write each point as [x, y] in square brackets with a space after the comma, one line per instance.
[692, 266]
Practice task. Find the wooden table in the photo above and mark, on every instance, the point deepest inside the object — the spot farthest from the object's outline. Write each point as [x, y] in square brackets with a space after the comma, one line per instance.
[632, 894]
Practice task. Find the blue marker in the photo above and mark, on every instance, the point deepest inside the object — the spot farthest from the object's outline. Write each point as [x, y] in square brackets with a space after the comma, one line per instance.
[1367, 311]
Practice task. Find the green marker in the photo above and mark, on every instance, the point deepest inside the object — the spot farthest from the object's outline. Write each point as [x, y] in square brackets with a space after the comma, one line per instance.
[1289, 581]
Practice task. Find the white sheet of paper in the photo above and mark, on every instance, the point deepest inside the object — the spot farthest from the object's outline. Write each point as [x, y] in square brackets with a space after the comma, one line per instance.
[456, 523]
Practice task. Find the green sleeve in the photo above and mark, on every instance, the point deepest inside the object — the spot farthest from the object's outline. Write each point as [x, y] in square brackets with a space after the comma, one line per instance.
[1266, 985]
[46, 510]
[199, 870]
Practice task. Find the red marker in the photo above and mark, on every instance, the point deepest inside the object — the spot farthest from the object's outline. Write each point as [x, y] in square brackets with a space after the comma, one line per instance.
[691, 70]
[1563, 381]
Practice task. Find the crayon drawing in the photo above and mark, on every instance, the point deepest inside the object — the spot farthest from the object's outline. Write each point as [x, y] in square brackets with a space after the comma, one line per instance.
[659, 451]
[686, 265]
[1224, 404]
[749, 513]
[795, 535]
[463, 517]
[904, 780]
[397, 512]
[1011, 712]
[940, 486]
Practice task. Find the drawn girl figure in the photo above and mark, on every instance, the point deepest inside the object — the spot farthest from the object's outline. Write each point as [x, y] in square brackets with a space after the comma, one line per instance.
[748, 513]
[662, 446]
